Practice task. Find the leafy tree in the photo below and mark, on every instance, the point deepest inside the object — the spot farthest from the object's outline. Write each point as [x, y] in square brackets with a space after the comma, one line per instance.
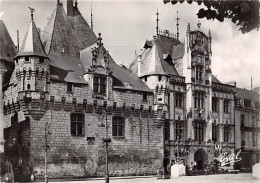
[244, 14]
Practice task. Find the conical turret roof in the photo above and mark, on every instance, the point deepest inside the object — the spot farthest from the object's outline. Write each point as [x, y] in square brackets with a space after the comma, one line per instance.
[32, 45]
[7, 47]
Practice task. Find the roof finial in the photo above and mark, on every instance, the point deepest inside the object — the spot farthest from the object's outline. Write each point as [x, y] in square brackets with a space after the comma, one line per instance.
[99, 43]
[157, 21]
[209, 34]
[58, 1]
[188, 28]
[91, 18]
[32, 10]
[76, 4]
[199, 25]
[18, 41]
[177, 24]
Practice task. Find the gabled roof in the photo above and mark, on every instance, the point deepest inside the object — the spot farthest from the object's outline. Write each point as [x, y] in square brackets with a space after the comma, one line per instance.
[122, 77]
[7, 47]
[247, 94]
[67, 34]
[157, 59]
[32, 45]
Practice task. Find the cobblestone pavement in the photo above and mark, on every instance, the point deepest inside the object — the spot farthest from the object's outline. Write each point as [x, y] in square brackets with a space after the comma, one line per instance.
[225, 178]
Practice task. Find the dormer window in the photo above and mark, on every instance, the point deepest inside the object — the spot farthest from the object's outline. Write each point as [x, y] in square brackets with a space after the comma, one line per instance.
[100, 84]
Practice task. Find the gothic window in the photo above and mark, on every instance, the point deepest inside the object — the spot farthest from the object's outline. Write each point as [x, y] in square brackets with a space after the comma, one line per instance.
[253, 139]
[243, 142]
[99, 84]
[77, 124]
[214, 104]
[214, 133]
[253, 122]
[69, 87]
[242, 120]
[28, 86]
[178, 100]
[118, 126]
[178, 131]
[199, 130]
[226, 133]
[198, 73]
[226, 106]
[198, 100]
[167, 130]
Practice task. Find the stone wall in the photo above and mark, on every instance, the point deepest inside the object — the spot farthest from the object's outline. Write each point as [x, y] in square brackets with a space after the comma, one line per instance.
[141, 148]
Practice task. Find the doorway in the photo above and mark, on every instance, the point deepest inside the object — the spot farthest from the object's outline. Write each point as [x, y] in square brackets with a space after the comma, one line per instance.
[200, 157]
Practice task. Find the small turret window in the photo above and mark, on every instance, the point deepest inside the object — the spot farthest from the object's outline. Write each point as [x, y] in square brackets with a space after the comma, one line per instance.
[159, 78]
[69, 87]
[41, 59]
[26, 59]
[144, 96]
[28, 86]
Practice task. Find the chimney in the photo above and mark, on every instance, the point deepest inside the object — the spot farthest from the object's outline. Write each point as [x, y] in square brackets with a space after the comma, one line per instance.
[70, 8]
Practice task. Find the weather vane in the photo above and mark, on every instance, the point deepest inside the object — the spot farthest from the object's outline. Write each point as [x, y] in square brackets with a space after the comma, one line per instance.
[32, 10]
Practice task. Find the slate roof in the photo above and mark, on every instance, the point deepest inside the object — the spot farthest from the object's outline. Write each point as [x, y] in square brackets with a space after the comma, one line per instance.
[68, 41]
[122, 77]
[157, 58]
[67, 34]
[178, 51]
[7, 52]
[63, 37]
[247, 94]
[32, 45]
[7, 47]
[214, 79]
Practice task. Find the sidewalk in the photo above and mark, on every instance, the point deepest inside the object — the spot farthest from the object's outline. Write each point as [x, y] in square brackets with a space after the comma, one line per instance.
[220, 178]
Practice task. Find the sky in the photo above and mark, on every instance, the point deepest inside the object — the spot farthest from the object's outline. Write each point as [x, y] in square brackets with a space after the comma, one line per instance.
[126, 25]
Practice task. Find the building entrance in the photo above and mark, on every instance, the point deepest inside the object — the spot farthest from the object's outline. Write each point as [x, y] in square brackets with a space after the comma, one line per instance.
[200, 157]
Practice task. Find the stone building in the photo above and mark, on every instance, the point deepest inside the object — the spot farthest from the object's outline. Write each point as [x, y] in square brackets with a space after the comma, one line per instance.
[247, 126]
[201, 119]
[66, 94]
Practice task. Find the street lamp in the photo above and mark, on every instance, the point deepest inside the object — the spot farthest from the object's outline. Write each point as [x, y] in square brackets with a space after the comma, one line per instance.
[106, 140]
[46, 147]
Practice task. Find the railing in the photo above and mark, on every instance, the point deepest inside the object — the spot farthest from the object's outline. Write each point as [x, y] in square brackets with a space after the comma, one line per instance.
[250, 129]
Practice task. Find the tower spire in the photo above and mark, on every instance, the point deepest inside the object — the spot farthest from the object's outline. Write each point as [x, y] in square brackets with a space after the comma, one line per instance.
[18, 40]
[157, 21]
[177, 25]
[32, 10]
[91, 18]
